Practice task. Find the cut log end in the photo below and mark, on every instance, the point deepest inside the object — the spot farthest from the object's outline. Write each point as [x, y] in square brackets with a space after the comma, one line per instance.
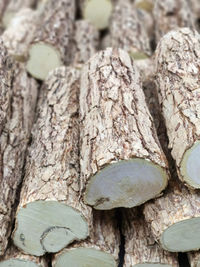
[98, 12]
[125, 184]
[42, 59]
[18, 263]
[81, 257]
[48, 226]
[190, 166]
[182, 236]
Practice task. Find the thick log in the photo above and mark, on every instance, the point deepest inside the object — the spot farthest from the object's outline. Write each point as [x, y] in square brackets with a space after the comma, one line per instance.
[13, 144]
[100, 249]
[50, 214]
[178, 67]
[121, 158]
[18, 36]
[50, 48]
[171, 14]
[140, 246]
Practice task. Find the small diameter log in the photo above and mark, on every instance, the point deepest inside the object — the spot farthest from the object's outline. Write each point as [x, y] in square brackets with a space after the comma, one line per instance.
[171, 14]
[194, 258]
[50, 48]
[13, 7]
[6, 75]
[18, 36]
[13, 144]
[50, 214]
[97, 12]
[178, 69]
[140, 246]
[122, 164]
[15, 258]
[100, 249]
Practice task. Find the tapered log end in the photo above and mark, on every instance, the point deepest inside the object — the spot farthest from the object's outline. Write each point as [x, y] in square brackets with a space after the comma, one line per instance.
[81, 257]
[190, 166]
[18, 263]
[42, 59]
[127, 183]
[48, 226]
[152, 265]
[98, 12]
[182, 236]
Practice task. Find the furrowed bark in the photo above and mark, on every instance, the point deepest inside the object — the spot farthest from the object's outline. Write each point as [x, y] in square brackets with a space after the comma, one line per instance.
[117, 135]
[194, 259]
[18, 36]
[13, 7]
[50, 48]
[50, 214]
[13, 144]
[6, 75]
[178, 67]
[100, 249]
[140, 246]
[171, 14]
[14, 258]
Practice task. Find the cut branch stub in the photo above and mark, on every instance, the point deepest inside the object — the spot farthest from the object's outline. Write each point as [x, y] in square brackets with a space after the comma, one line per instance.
[50, 213]
[50, 48]
[178, 69]
[122, 164]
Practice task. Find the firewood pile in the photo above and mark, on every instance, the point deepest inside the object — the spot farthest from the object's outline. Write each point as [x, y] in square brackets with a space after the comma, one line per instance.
[99, 133]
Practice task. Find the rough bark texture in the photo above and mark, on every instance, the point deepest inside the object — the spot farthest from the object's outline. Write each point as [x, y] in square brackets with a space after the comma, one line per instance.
[116, 124]
[20, 33]
[171, 14]
[177, 68]
[104, 236]
[6, 75]
[13, 145]
[140, 246]
[194, 259]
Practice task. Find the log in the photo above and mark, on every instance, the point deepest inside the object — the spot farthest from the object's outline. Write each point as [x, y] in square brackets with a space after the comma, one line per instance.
[121, 158]
[50, 47]
[14, 258]
[100, 249]
[13, 7]
[51, 182]
[194, 258]
[13, 144]
[97, 12]
[18, 36]
[177, 67]
[140, 246]
[171, 14]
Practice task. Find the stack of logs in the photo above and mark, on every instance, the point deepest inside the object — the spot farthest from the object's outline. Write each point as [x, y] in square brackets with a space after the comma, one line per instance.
[99, 133]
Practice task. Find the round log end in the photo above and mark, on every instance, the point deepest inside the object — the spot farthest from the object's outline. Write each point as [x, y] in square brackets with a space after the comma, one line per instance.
[81, 257]
[48, 226]
[127, 183]
[18, 263]
[182, 236]
[42, 59]
[190, 166]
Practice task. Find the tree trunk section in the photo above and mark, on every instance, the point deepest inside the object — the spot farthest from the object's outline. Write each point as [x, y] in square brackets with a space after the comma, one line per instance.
[117, 133]
[140, 246]
[100, 249]
[50, 214]
[50, 48]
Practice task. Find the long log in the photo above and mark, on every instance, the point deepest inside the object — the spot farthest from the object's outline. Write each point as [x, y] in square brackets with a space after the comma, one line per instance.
[50, 214]
[122, 164]
[177, 67]
[51, 45]
[100, 249]
[140, 246]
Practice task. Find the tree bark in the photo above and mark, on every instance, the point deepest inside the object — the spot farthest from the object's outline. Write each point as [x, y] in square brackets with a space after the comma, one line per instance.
[50, 48]
[13, 144]
[177, 67]
[140, 246]
[117, 133]
[100, 249]
[18, 36]
[51, 183]
[194, 258]
[171, 14]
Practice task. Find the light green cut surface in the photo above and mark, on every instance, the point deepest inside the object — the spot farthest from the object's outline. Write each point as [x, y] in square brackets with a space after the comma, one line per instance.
[18, 263]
